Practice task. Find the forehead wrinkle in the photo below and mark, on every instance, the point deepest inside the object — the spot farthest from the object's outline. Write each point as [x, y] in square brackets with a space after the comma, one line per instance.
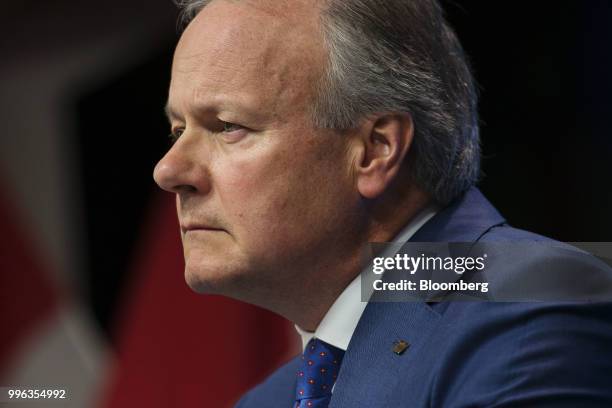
[227, 70]
[246, 54]
[227, 46]
[223, 78]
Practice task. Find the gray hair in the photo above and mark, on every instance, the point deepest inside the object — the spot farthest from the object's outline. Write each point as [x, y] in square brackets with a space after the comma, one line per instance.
[400, 56]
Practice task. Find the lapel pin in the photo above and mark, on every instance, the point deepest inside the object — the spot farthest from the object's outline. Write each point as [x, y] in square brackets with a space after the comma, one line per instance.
[399, 347]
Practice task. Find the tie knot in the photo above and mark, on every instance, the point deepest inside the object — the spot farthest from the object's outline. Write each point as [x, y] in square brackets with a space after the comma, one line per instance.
[319, 369]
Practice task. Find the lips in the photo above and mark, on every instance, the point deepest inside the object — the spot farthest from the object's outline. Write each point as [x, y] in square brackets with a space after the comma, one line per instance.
[199, 227]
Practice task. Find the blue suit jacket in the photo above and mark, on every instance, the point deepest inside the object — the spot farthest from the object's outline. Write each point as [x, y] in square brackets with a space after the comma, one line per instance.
[468, 354]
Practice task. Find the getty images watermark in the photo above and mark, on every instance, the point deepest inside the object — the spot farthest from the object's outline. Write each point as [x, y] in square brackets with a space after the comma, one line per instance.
[488, 271]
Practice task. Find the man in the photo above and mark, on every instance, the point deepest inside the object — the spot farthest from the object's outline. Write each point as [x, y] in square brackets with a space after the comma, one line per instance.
[303, 130]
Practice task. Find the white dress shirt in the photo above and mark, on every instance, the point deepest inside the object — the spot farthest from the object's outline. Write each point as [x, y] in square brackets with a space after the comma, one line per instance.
[339, 323]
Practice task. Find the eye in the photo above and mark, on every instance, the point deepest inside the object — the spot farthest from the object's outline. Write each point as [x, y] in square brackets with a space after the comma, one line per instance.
[229, 127]
[232, 133]
[175, 134]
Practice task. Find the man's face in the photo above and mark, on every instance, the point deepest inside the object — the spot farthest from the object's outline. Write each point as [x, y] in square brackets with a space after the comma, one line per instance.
[261, 194]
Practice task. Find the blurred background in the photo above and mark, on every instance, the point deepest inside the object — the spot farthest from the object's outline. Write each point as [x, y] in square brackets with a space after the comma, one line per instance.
[92, 296]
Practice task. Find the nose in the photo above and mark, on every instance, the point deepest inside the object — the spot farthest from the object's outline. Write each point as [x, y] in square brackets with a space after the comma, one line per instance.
[179, 172]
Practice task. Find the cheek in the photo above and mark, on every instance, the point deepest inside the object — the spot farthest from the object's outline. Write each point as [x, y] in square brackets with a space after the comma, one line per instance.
[286, 193]
[255, 193]
[252, 193]
[280, 201]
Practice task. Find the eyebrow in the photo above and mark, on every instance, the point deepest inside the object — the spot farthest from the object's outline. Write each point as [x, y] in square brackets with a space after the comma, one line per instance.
[170, 112]
[220, 105]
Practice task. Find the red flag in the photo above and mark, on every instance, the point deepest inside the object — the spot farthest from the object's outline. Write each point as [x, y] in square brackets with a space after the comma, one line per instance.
[27, 293]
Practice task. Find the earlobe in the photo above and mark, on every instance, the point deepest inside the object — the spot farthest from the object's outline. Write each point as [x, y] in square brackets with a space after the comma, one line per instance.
[386, 144]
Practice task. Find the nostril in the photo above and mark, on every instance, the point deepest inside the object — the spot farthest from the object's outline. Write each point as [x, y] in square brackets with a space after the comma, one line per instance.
[185, 188]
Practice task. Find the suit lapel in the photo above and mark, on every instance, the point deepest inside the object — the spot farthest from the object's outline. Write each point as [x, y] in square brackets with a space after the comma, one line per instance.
[370, 368]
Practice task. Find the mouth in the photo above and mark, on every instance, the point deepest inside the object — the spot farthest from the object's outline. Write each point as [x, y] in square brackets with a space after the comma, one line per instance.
[202, 228]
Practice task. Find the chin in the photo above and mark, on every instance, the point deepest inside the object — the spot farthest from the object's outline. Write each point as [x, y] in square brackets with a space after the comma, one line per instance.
[213, 277]
[197, 282]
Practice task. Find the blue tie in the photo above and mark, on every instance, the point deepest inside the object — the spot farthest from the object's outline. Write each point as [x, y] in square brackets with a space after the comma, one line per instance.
[317, 375]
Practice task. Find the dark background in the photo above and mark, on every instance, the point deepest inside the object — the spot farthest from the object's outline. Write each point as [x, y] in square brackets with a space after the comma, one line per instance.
[543, 70]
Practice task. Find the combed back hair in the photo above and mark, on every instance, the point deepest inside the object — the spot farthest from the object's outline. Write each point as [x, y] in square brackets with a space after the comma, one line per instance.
[399, 56]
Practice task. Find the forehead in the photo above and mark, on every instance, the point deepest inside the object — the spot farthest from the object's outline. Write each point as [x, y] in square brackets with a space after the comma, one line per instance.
[256, 51]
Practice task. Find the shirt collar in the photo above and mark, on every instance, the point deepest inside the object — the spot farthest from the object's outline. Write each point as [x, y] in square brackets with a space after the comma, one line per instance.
[339, 323]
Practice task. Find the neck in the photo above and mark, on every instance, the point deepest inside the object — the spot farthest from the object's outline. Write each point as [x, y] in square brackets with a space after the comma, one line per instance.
[387, 217]
[392, 212]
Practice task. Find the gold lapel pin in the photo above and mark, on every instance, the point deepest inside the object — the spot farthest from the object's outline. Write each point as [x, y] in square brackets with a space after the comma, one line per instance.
[400, 346]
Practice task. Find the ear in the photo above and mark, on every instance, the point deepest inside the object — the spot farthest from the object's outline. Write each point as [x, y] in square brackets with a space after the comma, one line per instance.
[386, 141]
